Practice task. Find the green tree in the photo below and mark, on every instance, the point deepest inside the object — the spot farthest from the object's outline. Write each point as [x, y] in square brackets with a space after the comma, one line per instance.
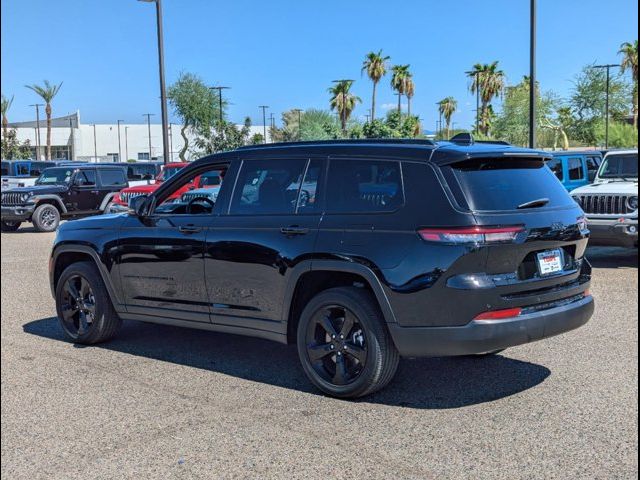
[12, 148]
[587, 102]
[343, 101]
[489, 80]
[47, 92]
[395, 125]
[225, 137]
[447, 107]
[629, 52]
[195, 104]
[375, 64]
[5, 105]
[399, 77]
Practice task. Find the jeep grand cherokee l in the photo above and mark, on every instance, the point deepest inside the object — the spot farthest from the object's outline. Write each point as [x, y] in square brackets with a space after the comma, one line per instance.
[397, 248]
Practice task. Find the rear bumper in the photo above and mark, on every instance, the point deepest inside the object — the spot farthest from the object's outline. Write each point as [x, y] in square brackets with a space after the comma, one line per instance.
[21, 213]
[613, 233]
[487, 336]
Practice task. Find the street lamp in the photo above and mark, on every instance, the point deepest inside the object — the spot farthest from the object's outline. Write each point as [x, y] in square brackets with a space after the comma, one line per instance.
[163, 93]
[264, 120]
[37, 105]
[149, 115]
[119, 144]
[219, 89]
[608, 68]
[95, 143]
[533, 110]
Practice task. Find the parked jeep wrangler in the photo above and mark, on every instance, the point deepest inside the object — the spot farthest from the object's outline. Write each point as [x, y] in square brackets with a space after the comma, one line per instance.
[611, 202]
[61, 193]
[358, 252]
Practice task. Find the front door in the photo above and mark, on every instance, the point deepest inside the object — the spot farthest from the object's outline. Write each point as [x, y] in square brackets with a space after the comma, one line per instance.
[270, 225]
[84, 195]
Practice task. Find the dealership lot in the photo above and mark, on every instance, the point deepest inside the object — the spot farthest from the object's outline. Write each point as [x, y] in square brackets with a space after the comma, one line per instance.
[163, 402]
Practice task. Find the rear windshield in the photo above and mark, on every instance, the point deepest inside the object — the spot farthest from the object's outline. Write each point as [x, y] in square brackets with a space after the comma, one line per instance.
[620, 166]
[507, 183]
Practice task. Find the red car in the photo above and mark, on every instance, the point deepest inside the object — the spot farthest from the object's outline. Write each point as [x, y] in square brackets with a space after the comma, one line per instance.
[121, 200]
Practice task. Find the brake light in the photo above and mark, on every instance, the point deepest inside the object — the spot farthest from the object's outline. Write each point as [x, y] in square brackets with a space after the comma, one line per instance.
[500, 314]
[476, 234]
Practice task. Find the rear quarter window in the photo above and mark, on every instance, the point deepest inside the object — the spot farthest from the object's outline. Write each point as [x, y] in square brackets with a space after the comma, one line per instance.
[503, 184]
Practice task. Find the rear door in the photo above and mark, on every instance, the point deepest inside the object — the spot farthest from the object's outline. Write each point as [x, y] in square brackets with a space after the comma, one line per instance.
[270, 224]
[576, 172]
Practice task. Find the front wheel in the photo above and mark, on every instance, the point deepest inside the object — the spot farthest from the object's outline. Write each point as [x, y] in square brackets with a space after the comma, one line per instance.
[344, 345]
[85, 311]
[10, 226]
[46, 218]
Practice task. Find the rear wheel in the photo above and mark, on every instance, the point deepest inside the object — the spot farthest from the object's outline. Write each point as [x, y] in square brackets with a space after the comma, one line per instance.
[10, 226]
[343, 343]
[46, 218]
[85, 311]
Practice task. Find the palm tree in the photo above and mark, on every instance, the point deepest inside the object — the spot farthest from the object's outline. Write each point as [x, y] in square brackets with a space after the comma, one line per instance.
[447, 107]
[47, 92]
[410, 90]
[490, 82]
[399, 81]
[375, 64]
[343, 101]
[629, 51]
[5, 105]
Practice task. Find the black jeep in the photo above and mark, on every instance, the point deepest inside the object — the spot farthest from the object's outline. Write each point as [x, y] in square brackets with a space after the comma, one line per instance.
[358, 251]
[61, 193]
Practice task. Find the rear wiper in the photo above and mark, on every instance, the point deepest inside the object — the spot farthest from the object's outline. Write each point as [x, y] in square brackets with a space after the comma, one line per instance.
[541, 202]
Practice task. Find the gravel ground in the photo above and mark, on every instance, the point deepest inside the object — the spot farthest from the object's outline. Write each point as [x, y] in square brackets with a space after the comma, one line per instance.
[162, 402]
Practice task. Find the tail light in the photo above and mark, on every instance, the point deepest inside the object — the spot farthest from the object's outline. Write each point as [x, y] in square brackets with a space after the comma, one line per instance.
[500, 314]
[476, 234]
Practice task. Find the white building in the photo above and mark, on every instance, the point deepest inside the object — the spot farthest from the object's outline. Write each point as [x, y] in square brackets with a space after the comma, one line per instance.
[72, 140]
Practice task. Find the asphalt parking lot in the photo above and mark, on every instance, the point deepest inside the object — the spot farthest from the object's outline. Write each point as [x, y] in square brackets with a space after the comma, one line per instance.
[163, 402]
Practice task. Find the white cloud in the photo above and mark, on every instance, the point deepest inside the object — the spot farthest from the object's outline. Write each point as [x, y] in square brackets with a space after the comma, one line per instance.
[392, 106]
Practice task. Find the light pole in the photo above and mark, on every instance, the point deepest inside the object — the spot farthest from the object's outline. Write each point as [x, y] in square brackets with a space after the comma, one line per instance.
[533, 110]
[119, 143]
[37, 105]
[264, 120]
[608, 68]
[95, 143]
[219, 89]
[126, 142]
[163, 93]
[149, 115]
[72, 146]
[171, 142]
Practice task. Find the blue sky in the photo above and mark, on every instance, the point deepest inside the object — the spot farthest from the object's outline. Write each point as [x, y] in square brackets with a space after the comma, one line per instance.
[284, 53]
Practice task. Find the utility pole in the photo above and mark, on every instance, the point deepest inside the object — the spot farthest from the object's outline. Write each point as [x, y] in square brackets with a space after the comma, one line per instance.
[37, 105]
[126, 142]
[264, 120]
[272, 121]
[533, 108]
[171, 142]
[119, 144]
[219, 89]
[72, 146]
[95, 143]
[149, 115]
[299, 112]
[608, 68]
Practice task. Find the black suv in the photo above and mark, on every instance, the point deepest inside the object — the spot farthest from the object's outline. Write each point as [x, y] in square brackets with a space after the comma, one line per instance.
[357, 251]
[63, 192]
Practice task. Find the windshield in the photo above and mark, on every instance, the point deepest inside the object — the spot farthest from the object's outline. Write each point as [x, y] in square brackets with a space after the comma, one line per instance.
[168, 172]
[53, 176]
[620, 166]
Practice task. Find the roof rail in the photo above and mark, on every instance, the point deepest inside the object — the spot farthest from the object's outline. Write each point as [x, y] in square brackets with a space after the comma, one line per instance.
[467, 139]
[356, 141]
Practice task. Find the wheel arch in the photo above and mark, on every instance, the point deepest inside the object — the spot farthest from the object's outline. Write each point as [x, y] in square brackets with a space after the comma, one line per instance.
[51, 200]
[107, 198]
[314, 276]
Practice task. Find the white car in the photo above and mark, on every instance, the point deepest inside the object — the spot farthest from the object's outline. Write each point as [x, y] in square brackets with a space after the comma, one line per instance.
[611, 202]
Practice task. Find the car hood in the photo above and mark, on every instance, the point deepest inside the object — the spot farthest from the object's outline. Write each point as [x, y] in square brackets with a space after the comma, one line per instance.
[39, 189]
[142, 189]
[97, 222]
[608, 188]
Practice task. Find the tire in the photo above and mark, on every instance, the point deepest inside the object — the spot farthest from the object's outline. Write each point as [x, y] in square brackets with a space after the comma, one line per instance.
[46, 218]
[355, 311]
[10, 226]
[93, 319]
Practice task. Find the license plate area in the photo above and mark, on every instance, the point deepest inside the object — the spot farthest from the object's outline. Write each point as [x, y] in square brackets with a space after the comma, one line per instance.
[550, 262]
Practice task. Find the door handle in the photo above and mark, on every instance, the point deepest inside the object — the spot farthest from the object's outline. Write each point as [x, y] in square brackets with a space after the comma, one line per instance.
[189, 229]
[294, 230]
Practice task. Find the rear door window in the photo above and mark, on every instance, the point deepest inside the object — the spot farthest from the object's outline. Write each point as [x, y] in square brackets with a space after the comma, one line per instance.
[112, 177]
[359, 186]
[576, 170]
[503, 184]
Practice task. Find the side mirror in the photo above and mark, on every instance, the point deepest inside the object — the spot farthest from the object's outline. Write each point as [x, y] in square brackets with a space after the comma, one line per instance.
[138, 205]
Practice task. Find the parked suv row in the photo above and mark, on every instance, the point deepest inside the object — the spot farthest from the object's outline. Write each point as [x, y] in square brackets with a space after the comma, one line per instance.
[358, 252]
